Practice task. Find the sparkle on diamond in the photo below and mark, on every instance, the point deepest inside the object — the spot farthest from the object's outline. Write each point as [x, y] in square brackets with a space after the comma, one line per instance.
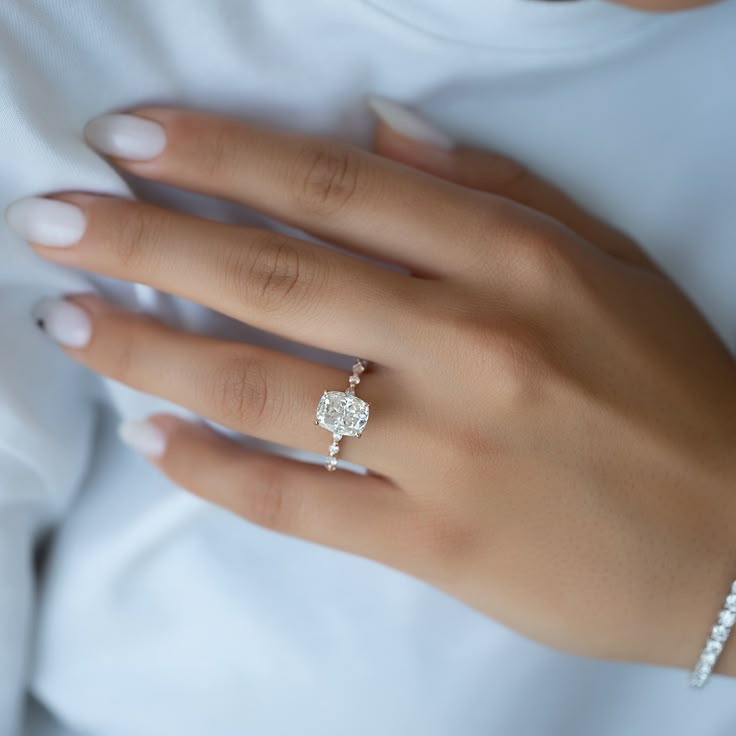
[342, 413]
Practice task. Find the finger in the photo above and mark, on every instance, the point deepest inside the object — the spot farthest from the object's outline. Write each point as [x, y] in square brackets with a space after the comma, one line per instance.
[395, 137]
[330, 189]
[247, 388]
[292, 288]
[355, 513]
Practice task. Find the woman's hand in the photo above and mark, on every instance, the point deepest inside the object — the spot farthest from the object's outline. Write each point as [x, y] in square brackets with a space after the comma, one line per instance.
[552, 422]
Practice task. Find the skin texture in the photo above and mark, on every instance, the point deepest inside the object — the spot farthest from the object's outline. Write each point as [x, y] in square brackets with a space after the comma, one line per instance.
[552, 420]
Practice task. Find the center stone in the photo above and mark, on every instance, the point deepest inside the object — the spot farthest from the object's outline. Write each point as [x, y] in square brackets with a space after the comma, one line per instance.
[342, 413]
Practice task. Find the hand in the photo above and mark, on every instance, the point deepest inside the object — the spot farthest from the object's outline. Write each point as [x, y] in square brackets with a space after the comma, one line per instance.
[551, 423]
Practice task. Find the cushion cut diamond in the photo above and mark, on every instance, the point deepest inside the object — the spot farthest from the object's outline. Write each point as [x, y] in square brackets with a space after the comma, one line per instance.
[342, 413]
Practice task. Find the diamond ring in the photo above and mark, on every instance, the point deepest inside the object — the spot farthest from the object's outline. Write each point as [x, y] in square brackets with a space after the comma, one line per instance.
[343, 413]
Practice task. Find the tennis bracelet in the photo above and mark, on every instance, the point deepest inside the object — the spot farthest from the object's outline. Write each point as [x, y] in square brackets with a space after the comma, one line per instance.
[717, 639]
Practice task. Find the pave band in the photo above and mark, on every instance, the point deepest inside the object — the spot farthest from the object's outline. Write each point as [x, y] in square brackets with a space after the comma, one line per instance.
[716, 641]
[343, 413]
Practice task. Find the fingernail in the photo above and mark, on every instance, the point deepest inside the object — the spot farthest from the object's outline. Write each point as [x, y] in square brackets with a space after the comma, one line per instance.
[143, 436]
[63, 321]
[46, 221]
[126, 136]
[408, 123]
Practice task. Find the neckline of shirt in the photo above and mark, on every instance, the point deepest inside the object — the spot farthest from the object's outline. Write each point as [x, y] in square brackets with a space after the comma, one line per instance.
[533, 25]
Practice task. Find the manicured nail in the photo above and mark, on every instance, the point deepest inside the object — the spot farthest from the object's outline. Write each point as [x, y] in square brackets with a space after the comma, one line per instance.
[63, 321]
[408, 123]
[143, 436]
[126, 136]
[46, 221]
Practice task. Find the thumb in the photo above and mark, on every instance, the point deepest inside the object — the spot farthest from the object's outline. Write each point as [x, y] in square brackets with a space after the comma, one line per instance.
[402, 135]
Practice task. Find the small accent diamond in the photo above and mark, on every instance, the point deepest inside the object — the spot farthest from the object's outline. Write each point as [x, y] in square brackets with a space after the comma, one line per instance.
[358, 368]
[709, 658]
[714, 647]
[331, 463]
[334, 449]
[719, 633]
[354, 380]
[727, 618]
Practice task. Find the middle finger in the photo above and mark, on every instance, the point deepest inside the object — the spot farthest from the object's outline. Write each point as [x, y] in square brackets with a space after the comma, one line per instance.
[299, 290]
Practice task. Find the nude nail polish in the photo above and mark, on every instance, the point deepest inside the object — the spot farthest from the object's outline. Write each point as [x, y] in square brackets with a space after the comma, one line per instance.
[410, 124]
[63, 321]
[126, 136]
[143, 436]
[46, 221]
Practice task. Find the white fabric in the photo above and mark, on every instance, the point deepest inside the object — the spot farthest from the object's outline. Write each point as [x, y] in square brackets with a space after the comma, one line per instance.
[158, 614]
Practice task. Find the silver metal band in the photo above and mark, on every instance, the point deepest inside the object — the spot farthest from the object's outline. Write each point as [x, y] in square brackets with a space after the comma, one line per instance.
[716, 641]
[343, 413]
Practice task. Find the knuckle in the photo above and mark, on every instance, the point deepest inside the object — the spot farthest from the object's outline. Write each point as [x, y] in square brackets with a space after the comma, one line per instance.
[136, 237]
[118, 342]
[517, 366]
[510, 358]
[513, 178]
[219, 151]
[540, 265]
[271, 276]
[122, 362]
[445, 541]
[471, 441]
[275, 274]
[240, 393]
[328, 177]
[273, 504]
[486, 230]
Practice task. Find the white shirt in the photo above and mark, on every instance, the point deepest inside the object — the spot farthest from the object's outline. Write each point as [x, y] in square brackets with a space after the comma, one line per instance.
[159, 614]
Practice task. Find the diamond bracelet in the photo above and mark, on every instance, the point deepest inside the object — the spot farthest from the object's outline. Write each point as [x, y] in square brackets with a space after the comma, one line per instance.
[714, 646]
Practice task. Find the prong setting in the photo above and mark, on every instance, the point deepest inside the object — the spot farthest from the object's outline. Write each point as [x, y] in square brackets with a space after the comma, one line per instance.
[343, 413]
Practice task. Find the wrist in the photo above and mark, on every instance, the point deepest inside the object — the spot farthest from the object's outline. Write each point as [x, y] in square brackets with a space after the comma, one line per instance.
[706, 584]
[726, 662]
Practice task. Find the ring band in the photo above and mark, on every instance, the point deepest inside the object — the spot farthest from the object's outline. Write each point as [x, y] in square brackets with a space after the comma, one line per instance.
[343, 413]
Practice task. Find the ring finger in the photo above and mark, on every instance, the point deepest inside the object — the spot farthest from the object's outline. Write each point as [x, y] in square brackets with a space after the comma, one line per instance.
[247, 388]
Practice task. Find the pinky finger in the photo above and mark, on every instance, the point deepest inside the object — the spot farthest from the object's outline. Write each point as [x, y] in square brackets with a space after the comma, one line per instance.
[492, 173]
[354, 513]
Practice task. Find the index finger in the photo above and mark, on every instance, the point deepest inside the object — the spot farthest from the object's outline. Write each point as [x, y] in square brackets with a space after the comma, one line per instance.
[330, 189]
